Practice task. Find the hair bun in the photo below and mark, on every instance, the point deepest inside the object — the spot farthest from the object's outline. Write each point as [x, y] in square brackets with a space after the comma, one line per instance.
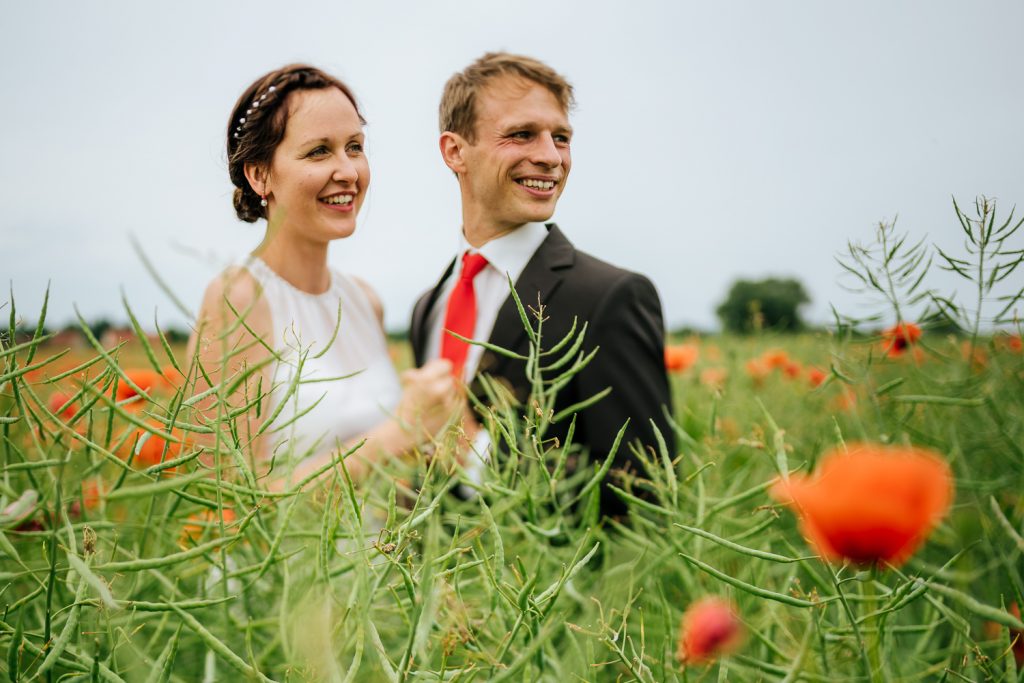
[245, 208]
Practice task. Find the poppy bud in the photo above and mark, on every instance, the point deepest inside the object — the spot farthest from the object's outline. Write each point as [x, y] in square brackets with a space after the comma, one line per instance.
[709, 629]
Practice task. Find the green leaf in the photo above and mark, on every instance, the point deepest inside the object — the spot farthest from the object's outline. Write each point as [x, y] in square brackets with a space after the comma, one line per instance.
[96, 582]
[752, 589]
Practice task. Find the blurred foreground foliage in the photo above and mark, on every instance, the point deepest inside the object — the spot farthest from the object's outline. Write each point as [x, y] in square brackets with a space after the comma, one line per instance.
[131, 551]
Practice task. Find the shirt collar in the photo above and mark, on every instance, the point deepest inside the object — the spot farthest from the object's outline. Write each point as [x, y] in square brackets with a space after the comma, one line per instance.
[509, 253]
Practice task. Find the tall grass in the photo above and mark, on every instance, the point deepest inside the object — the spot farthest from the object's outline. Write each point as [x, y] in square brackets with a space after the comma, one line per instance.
[190, 566]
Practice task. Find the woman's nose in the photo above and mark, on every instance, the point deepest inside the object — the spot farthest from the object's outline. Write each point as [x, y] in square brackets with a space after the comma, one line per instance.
[345, 170]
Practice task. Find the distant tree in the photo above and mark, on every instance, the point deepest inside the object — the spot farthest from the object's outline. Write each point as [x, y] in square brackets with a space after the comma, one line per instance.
[176, 335]
[100, 326]
[25, 331]
[774, 303]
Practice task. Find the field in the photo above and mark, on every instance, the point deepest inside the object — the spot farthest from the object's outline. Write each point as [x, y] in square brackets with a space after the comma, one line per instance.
[140, 544]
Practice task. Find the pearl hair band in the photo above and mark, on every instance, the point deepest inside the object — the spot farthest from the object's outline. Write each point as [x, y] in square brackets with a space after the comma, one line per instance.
[256, 103]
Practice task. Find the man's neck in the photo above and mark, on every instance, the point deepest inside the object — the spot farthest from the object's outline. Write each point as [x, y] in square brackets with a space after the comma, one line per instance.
[478, 234]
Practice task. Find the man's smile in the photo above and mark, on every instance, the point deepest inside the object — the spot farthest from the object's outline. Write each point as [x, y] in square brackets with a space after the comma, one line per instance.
[539, 187]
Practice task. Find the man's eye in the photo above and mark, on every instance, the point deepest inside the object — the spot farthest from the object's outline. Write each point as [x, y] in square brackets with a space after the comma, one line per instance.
[562, 139]
[521, 135]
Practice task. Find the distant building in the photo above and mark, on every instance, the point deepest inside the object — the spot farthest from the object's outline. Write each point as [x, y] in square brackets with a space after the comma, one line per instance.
[68, 338]
[114, 335]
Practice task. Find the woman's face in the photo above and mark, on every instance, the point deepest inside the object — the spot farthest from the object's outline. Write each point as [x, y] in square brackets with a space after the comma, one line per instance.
[319, 173]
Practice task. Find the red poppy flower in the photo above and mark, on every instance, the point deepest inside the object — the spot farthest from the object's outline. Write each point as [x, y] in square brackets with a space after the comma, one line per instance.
[680, 357]
[146, 379]
[198, 524]
[61, 406]
[758, 370]
[709, 629]
[1008, 342]
[93, 490]
[775, 359]
[792, 369]
[816, 377]
[899, 338]
[978, 358]
[152, 451]
[714, 377]
[870, 503]
[994, 631]
[1017, 636]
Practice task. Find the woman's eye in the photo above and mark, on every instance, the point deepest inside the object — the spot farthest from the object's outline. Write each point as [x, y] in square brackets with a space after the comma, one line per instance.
[318, 151]
[355, 148]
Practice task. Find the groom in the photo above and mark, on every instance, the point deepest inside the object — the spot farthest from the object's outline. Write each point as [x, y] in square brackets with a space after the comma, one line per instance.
[505, 134]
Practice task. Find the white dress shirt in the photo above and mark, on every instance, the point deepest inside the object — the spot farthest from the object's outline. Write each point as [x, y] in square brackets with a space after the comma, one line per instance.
[506, 256]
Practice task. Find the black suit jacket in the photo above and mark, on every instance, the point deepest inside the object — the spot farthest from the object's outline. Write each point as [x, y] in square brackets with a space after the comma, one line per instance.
[624, 318]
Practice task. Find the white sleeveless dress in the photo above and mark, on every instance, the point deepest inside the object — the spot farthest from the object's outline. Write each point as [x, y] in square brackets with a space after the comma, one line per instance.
[348, 375]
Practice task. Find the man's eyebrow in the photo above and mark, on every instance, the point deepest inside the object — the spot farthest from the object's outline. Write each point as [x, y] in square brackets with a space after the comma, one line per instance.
[532, 125]
[524, 125]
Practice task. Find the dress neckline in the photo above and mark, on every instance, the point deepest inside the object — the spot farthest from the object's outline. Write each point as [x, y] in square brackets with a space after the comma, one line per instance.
[332, 279]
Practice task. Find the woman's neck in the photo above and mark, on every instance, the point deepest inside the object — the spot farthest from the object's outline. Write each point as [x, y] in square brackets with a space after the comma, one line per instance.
[302, 263]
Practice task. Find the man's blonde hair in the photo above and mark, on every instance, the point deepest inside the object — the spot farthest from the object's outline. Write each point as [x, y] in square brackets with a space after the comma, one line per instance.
[458, 111]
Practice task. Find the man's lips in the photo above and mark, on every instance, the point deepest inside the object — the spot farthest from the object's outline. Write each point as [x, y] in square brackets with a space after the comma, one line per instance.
[538, 186]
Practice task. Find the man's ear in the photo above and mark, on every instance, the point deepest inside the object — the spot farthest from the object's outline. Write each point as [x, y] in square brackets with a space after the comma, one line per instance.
[452, 145]
[259, 178]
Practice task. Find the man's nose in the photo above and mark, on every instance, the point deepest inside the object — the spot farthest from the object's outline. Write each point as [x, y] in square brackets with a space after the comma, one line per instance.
[545, 151]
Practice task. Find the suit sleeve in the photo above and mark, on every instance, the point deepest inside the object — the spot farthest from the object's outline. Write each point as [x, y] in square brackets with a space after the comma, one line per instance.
[417, 329]
[628, 327]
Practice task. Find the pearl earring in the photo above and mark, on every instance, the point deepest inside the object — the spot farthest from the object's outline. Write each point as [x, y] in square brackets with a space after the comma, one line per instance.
[263, 200]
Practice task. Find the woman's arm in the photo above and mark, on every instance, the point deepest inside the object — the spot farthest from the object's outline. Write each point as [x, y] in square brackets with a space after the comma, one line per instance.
[234, 336]
[232, 339]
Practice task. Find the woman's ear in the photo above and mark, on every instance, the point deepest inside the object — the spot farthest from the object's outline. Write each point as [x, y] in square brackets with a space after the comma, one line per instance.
[259, 178]
[451, 145]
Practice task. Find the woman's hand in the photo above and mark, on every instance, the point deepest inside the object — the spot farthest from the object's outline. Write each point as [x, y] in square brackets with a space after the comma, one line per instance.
[430, 397]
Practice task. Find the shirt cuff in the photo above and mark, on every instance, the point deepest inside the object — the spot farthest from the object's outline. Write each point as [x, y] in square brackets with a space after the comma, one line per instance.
[477, 457]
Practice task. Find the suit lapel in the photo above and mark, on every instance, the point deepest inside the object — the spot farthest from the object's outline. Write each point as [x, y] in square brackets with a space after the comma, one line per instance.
[417, 329]
[541, 277]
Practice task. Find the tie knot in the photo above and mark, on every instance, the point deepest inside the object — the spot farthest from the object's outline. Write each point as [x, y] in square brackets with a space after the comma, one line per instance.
[471, 265]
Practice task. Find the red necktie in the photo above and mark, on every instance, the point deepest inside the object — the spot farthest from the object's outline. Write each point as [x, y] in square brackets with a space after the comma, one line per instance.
[460, 316]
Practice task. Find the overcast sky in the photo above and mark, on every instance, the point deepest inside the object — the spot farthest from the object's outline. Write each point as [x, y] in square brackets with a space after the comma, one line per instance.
[714, 140]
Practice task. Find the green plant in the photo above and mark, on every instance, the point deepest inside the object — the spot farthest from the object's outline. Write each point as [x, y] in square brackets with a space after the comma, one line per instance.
[194, 568]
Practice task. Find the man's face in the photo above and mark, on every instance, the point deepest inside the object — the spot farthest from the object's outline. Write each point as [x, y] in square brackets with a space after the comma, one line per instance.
[516, 169]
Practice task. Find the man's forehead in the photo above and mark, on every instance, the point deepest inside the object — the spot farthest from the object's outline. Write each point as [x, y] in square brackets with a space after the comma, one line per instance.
[509, 86]
[500, 95]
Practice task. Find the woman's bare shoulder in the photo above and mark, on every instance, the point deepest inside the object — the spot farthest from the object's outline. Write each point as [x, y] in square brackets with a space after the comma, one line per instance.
[235, 283]
[236, 288]
[375, 303]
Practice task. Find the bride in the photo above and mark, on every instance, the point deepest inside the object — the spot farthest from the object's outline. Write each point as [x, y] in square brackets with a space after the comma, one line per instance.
[310, 338]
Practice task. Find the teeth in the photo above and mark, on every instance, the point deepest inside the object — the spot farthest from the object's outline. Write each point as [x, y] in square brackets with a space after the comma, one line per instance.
[339, 199]
[538, 184]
